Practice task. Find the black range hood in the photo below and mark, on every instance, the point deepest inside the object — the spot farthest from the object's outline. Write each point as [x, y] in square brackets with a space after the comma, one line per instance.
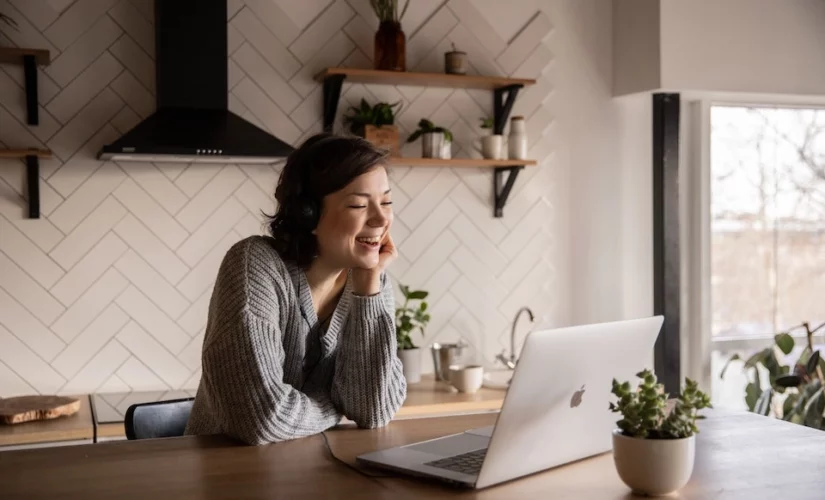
[192, 122]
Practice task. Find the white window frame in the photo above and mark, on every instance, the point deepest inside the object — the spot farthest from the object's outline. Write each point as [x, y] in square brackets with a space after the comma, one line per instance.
[697, 341]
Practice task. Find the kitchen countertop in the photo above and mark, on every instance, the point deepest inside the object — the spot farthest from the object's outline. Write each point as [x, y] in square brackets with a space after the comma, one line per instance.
[102, 414]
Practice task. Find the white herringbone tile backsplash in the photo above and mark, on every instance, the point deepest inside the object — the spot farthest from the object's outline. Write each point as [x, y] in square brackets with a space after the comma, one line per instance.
[109, 289]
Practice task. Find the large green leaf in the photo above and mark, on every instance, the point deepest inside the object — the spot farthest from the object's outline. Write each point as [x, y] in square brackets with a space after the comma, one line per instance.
[784, 342]
[418, 295]
[763, 404]
[757, 358]
[810, 366]
[814, 409]
[752, 394]
[735, 357]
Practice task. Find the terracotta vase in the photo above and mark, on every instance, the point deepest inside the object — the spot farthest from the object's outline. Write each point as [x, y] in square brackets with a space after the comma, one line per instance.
[390, 47]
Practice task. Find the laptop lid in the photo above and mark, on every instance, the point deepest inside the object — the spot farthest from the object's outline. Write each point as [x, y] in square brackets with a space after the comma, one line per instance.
[556, 408]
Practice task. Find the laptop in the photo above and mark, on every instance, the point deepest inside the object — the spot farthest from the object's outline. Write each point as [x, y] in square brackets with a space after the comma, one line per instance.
[555, 410]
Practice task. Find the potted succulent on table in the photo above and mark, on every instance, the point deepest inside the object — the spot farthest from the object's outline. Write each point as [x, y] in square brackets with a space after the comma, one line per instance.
[435, 141]
[491, 144]
[407, 319]
[375, 124]
[655, 443]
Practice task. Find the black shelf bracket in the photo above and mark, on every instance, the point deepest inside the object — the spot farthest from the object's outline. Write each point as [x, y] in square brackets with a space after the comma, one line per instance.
[503, 100]
[33, 181]
[30, 72]
[332, 94]
[502, 192]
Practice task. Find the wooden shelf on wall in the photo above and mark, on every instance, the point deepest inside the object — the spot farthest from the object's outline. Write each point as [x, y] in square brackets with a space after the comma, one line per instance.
[15, 55]
[29, 58]
[32, 157]
[459, 162]
[354, 75]
[22, 153]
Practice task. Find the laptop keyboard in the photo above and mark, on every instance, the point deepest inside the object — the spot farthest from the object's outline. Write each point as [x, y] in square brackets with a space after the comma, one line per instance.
[466, 463]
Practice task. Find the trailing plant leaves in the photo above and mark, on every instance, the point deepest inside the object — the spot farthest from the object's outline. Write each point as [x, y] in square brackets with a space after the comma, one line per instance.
[752, 394]
[784, 342]
[810, 366]
[733, 358]
[763, 404]
[788, 380]
[814, 408]
[757, 358]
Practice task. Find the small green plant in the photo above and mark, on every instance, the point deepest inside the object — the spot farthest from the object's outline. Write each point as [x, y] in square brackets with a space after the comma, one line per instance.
[387, 10]
[381, 114]
[644, 412]
[426, 126]
[487, 123]
[795, 392]
[409, 318]
[8, 20]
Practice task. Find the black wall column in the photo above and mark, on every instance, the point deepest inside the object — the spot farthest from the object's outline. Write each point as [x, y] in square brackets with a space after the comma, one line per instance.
[666, 290]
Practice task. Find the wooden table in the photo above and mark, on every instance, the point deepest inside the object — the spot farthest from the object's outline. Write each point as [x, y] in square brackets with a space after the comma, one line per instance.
[75, 429]
[739, 456]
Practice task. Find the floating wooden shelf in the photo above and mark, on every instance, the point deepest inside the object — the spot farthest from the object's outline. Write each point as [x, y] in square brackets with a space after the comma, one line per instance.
[16, 55]
[504, 96]
[32, 157]
[459, 162]
[422, 79]
[22, 153]
[29, 58]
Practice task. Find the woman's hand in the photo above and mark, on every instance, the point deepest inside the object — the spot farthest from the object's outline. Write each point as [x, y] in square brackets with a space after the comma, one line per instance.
[368, 281]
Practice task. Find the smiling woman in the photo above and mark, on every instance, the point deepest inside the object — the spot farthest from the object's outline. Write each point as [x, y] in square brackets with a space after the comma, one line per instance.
[301, 324]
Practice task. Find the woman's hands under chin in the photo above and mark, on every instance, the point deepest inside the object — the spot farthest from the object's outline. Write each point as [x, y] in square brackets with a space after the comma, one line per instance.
[368, 281]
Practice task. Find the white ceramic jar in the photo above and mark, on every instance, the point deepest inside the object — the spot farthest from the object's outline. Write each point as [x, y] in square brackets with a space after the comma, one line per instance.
[517, 140]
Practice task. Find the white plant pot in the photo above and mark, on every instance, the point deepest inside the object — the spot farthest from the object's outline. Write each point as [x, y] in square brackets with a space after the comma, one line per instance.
[411, 362]
[653, 467]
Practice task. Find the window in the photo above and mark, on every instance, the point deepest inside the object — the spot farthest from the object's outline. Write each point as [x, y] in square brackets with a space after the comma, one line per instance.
[767, 225]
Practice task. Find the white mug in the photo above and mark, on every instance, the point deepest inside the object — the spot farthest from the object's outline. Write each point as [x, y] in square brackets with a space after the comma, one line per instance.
[492, 147]
[466, 378]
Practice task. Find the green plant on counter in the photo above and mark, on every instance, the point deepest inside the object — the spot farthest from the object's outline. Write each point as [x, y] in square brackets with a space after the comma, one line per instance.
[425, 126]
[409, 318]
[799, 388]
[381, 114]
[644, 412]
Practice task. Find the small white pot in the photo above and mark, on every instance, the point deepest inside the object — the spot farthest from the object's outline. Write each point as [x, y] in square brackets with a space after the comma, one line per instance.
[411, 363]
[653, 467]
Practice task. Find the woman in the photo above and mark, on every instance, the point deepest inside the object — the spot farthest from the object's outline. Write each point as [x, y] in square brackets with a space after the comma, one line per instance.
[301, 325]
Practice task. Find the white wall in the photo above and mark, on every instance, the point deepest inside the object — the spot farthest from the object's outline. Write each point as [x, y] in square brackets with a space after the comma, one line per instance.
[636, 46]
[108, 290]
[744, 46]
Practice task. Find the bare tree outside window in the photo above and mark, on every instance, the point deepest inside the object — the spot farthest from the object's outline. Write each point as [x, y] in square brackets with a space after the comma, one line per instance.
[767, 222]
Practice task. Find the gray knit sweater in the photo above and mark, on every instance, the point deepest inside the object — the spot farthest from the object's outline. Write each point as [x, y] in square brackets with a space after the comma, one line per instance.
[271, 372]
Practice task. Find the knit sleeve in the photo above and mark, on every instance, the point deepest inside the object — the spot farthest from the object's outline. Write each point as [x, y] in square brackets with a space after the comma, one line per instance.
[242, 369]
[243, 356]
[369, 384]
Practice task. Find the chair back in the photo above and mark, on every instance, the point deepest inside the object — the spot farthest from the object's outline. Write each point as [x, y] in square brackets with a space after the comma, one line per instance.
[158, 419]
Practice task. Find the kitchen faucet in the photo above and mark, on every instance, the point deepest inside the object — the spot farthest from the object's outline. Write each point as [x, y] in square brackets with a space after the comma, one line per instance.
[510, 361]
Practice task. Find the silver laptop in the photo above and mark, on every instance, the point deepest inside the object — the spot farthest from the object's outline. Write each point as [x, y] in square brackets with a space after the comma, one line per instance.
[555, 410]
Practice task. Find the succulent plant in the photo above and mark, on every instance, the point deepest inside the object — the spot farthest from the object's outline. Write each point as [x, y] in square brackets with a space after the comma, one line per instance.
[645, 410]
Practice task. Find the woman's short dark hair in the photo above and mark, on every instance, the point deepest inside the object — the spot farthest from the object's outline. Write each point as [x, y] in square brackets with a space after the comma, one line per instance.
[323, 164]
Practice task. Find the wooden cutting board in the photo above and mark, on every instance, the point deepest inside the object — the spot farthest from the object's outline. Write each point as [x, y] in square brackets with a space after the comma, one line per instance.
[28, 408]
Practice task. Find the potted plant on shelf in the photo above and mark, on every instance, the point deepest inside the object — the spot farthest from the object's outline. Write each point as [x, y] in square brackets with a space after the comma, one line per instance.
[435, 141]
[655, 443]
[491, 144]
[375, 123]
[390, 42]
[793, 392]
[8, 21]
[407, 319]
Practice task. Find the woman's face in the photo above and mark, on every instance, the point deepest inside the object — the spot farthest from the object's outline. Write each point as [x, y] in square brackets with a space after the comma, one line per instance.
[354, 220]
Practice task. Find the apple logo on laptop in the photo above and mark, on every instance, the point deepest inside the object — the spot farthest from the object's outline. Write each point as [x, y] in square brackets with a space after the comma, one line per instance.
[576, 400]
